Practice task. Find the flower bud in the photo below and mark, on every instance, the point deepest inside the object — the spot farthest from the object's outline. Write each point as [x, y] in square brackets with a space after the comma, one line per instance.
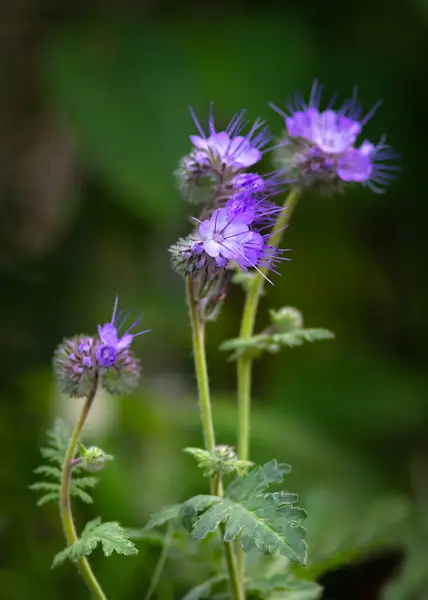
[93, 458]
[286, 319]
[122, 377]
[223, 459]
[195, 177]
[74, 365]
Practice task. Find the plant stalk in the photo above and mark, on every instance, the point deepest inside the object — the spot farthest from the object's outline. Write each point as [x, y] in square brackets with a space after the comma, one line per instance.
[64, 498]
[198, 339]
[244, 363]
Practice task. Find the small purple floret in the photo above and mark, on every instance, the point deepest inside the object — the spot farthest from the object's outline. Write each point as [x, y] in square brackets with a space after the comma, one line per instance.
[111, 343]
[234, 233]
[230, 147]
[106, 356]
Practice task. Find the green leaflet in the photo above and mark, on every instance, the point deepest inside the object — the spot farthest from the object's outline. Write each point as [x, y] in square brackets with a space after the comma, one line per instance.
[255, 345]
[267, 522]
[162, 516]
[286, 330]
[54, 453]
[110, 536]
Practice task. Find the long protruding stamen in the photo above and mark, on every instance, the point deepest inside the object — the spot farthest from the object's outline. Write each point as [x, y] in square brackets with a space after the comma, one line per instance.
[114, 309]
[198, 126]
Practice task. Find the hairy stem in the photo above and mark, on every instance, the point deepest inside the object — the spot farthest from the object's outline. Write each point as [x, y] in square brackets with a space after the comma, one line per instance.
[244, 364]
[198, 339]
[235, 586]
[64, 498]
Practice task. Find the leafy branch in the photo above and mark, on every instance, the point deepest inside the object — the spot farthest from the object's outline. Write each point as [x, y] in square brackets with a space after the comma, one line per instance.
[110, 536]
[286, 330]
[54, 453]
[268, 522]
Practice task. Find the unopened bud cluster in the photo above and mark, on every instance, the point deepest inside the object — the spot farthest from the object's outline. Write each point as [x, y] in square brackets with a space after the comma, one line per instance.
[223, 460]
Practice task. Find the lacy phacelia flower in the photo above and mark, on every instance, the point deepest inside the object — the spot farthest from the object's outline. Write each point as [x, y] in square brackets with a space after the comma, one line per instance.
[321, 148]
[75, 365]
[120, 370]
[215, 160]
[229, 148]
[231, 235]
[79, 360]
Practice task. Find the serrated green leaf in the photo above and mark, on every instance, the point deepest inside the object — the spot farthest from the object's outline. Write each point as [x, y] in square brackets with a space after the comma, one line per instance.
[267, 522]
[110, 536]
[257, 480]
[168, 513]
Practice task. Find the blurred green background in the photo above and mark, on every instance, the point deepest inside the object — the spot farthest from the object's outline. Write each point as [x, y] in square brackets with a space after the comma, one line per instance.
[94, 118]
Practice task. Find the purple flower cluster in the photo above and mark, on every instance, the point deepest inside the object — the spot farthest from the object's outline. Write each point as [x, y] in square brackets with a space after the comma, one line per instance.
[231, 229]
[319, 150]
[322, 147]
[232, 235]
[80, 360]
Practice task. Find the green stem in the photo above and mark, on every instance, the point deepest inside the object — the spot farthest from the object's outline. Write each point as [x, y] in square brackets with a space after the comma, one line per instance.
[244, 364]
[198, 338]
[64, 499]
[161, 563]
[236, 589]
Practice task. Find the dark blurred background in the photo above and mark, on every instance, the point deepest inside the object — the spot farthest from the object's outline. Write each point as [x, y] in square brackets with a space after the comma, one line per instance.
[93, 119]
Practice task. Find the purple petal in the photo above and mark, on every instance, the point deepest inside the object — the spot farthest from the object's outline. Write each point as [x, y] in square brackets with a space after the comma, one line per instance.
[243, 153]
[335, 133]
[354, 166]
[124, 342]
[212, 248]
[108, 334]
[199, 142]
[221, 262]
[302, 124]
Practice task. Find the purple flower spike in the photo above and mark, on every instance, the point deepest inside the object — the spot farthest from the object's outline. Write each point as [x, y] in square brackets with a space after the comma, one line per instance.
[322, 145]
[230, 148]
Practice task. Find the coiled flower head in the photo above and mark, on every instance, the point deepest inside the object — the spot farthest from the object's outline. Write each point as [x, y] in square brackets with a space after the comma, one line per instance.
[79, 360]
[321, 151]
[74, 365]
[120, 370]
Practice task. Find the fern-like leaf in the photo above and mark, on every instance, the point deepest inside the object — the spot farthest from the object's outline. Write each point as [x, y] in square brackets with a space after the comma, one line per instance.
[255, 345]
[54, 453]
[110, 536]
[264, 521]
